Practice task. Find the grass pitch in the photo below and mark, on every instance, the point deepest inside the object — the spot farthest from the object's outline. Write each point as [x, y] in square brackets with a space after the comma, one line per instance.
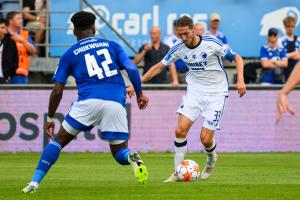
[91, 176]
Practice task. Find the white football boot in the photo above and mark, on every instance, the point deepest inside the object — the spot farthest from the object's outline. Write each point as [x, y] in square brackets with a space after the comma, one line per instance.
[172, 178]
[210, 164]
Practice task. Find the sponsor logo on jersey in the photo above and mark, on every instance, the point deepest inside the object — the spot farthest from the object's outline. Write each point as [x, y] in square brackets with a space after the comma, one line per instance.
[203, 55]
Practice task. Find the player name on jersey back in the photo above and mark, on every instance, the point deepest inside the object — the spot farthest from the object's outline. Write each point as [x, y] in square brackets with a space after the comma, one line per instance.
[90, 46]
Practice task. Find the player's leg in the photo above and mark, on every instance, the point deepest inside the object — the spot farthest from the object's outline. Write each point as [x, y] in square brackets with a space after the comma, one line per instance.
[207, 139]
[188, 112]
[212, 116]
[80, 118]
[48, 158]
[124, 156]
[114, 128]
[180, 143]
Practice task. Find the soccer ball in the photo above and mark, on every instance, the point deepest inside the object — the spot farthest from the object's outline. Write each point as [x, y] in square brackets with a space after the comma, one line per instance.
[188, 170]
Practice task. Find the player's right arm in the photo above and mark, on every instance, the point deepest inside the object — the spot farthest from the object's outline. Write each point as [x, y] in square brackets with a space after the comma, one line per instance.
[153, 71]
[60, 78]
[282, 102]
[171, 57]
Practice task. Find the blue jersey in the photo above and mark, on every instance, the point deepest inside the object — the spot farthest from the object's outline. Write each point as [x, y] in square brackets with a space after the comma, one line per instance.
[95, 64]
[267, 53]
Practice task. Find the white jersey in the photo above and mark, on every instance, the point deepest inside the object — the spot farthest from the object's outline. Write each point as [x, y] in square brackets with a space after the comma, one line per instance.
[206, 73]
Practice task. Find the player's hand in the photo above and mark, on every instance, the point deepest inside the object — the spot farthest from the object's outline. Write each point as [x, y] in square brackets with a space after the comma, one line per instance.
[49, 128]
[283, 106]
[130, 91]
[241, 88]
[175, 83]
[142, 101]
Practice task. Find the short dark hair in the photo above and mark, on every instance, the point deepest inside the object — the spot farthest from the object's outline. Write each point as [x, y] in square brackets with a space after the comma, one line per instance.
[10, 16]
[83, 20]
[184, 21]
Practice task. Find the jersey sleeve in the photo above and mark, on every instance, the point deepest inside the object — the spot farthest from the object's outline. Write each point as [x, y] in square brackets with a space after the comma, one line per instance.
[130, 67]
[263, 54]
[224, 51]
[63, 69]
[171, 56]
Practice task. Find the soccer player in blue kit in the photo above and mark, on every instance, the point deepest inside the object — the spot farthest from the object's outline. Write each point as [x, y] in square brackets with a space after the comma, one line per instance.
[95, 64]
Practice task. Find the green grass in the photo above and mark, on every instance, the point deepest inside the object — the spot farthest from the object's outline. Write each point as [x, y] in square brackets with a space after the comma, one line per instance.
[245, 176]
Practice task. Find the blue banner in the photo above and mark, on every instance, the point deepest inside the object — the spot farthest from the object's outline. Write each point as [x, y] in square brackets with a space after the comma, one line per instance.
[245, 23]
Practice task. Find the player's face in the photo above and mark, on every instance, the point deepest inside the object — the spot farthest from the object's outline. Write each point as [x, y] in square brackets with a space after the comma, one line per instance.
[186, 34]
[290, 29]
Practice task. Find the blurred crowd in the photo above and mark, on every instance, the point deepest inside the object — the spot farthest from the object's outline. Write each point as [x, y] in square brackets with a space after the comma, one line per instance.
[21, 36]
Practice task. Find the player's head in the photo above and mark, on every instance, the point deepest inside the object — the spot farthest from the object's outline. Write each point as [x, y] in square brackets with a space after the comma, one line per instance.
[84, 24]
[214, 20]
[273, 36]
[155, 34]
[185, 30]
[290, 23]
[14, 20]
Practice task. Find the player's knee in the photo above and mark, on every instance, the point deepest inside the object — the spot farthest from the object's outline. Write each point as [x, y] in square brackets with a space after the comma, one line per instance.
[180, 132]
[207, 142]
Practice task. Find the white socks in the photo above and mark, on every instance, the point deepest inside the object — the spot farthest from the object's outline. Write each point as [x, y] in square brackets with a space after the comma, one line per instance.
[180, 147]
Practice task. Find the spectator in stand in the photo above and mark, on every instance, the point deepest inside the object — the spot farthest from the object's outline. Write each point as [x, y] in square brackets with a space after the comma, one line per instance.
[199, 29]
[154, 52]
[25, 46]
[273, 59]
[35, 20]
[291, 43]
[8, 55]
[214, 20]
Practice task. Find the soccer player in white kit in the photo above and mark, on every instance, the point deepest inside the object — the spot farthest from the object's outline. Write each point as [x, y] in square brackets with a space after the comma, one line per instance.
[207, 88]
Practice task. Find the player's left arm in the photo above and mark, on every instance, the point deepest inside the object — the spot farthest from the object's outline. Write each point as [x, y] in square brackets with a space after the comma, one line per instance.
[134, 76]
[232, 56]
[241, 86]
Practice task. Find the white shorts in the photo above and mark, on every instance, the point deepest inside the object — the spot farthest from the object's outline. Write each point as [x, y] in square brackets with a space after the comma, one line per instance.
[211, 107]
[108, 116]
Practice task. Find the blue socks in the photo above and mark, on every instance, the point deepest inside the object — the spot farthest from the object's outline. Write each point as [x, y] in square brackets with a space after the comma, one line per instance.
[121, 156]
[48, 158]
